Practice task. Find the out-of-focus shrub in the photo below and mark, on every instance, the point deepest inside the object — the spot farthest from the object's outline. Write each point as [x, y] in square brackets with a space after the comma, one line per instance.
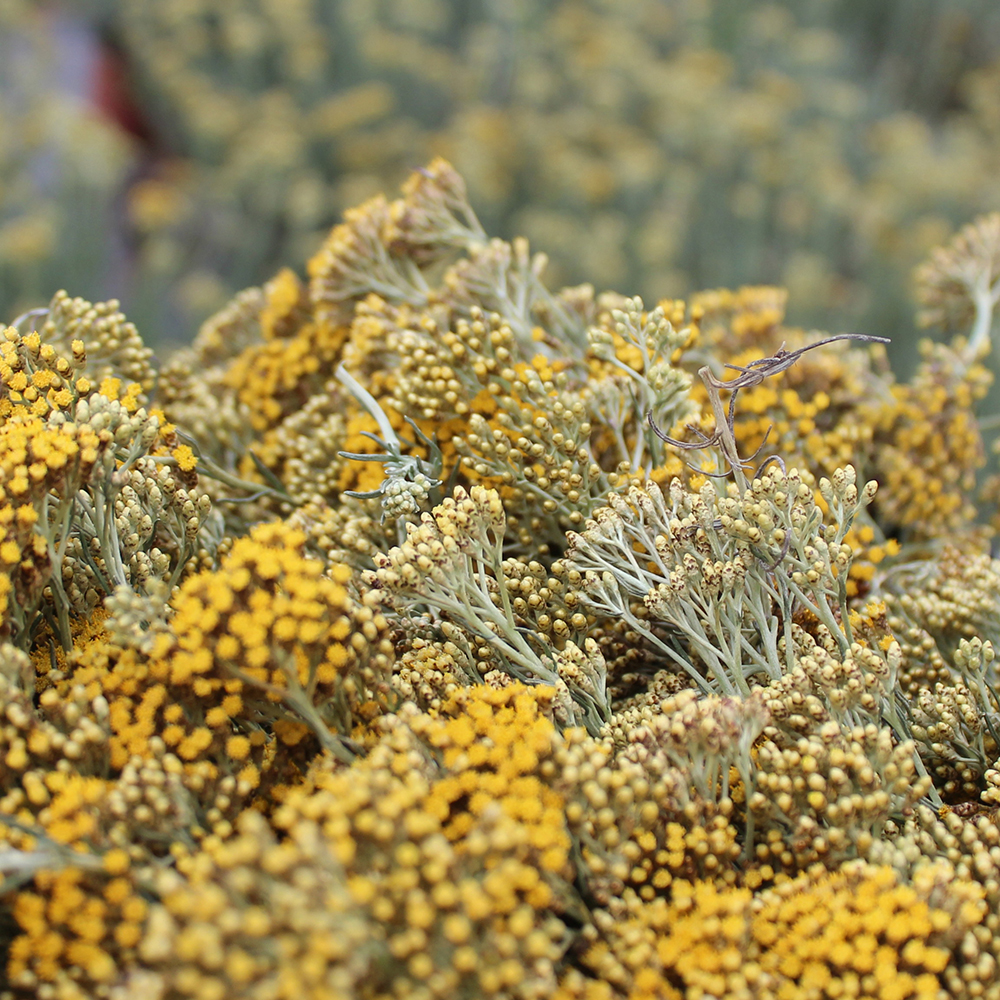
[825, 146]
[61, 165]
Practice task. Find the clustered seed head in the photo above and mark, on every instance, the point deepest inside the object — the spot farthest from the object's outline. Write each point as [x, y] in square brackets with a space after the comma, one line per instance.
[111, 344]
[459, 531]
[302, 451]
[948, 283]
[829, 797]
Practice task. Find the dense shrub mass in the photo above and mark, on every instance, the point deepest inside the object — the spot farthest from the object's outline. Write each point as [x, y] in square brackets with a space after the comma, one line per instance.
[425, 631]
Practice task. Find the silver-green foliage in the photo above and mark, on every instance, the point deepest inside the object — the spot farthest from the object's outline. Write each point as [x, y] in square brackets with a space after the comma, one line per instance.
[723, 573]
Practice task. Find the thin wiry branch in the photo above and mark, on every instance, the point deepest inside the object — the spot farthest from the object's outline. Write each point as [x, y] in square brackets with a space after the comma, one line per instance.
[751, 375]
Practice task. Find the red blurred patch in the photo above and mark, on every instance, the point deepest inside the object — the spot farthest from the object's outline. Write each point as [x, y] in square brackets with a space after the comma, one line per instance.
[112, 91]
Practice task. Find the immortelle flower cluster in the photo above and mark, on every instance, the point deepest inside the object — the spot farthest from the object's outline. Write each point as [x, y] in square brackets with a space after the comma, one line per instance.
[422, 631]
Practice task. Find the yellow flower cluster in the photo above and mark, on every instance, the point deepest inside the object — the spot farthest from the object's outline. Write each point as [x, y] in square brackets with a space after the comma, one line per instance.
[929, 445]
[75, 921]
[276, 378]
[858, 932]
[38, 459]
[454, 844]
[266, 633]
[271, 617]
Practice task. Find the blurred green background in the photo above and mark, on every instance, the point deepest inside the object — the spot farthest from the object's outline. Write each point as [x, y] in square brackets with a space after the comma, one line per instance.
[171, 152]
